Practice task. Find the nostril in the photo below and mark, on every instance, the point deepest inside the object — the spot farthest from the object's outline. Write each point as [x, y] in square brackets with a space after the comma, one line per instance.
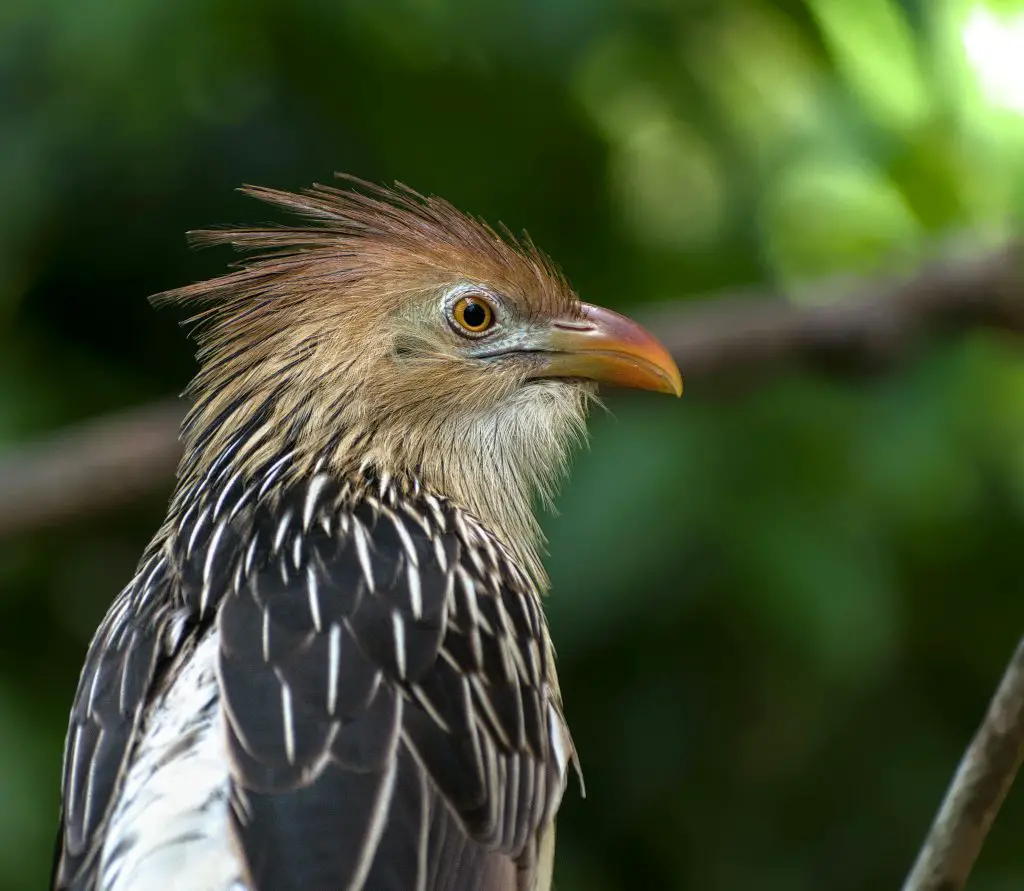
[583, 327]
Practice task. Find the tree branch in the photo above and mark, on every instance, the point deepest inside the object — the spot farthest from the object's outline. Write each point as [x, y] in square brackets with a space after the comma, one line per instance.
[976, 793]
[851, 325]
[87, 468]
[121, 458]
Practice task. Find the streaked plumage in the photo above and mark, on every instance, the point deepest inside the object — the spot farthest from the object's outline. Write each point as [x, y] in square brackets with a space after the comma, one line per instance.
[332, 669]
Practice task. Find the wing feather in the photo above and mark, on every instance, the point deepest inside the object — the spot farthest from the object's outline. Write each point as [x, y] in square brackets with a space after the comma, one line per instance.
[136, 639]
[384, 730]
[385, 678]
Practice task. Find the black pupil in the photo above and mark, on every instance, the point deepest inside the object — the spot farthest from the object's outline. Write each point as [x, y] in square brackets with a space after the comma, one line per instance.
[474, 314]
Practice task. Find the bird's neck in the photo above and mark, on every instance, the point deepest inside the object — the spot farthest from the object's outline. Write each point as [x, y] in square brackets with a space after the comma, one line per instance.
[496, 463]
[248, 460]
[224, 501]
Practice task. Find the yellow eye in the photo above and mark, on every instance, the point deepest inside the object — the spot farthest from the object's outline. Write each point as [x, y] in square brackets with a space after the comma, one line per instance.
[473, 314]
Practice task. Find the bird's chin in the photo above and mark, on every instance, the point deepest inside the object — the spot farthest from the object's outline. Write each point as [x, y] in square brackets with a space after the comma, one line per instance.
[576, 386]
[582, 385]
[557, 405]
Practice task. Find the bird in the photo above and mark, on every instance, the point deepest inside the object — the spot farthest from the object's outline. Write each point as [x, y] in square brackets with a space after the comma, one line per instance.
[332, 670]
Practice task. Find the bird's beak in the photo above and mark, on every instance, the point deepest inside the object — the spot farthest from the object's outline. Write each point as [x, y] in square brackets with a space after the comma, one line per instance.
[608, 348]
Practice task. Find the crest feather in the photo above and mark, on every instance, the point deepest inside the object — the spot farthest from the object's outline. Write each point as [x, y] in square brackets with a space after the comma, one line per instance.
[373, 230]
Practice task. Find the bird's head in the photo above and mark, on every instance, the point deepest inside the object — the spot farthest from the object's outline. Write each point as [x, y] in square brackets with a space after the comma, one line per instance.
[392, 335]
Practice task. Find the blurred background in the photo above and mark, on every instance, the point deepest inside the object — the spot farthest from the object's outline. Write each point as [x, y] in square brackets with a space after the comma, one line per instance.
[781, 604]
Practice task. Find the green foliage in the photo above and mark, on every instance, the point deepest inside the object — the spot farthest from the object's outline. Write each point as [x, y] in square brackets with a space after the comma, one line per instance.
[780, 609]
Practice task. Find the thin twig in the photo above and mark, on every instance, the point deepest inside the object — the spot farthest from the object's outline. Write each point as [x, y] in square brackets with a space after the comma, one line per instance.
[977, 791]
[124, 457]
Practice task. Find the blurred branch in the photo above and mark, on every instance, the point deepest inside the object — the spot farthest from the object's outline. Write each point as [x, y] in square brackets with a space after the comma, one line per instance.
[121, 458]
[977, 791]
[87, 468]
[850, 325]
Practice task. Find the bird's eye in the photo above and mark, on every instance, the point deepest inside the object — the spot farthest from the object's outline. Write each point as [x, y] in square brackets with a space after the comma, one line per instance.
[473, 315]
